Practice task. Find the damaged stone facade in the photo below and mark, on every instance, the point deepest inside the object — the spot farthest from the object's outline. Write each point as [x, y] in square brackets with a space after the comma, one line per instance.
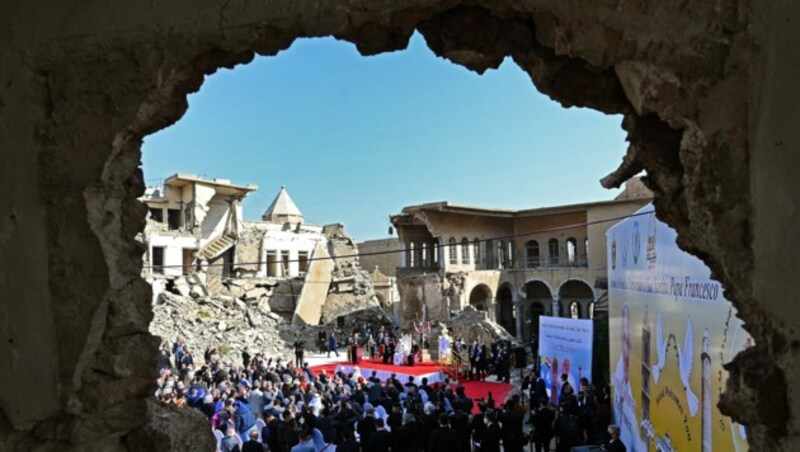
[706, 89]
[513, 265]
[278, 274]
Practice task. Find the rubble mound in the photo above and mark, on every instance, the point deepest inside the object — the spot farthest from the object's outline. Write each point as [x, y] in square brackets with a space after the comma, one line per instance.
[226, 323]
[471, 323]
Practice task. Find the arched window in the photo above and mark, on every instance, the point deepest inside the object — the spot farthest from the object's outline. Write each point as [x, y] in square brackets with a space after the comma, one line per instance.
[572, 251]
[435, 249]
[509, 255]
[586, 251]
[452, 253]
[532, 254]
[465, 251]
[476, 249]
[591, 310]
[574, 310]
[412, 255]
[424, 255]
[500, 258]
[552, 251]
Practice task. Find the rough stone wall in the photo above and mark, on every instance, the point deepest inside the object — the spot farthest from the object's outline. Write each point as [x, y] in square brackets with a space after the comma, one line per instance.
[706, 89]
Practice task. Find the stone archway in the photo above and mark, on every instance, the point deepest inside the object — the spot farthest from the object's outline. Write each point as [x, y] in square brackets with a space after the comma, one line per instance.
[538, 300]
[83, 83]
[574, 296]
[505, 309]
[480, 297]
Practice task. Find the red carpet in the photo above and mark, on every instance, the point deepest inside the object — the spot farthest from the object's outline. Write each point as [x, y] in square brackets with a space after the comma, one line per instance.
[474, 389]
[418, 369]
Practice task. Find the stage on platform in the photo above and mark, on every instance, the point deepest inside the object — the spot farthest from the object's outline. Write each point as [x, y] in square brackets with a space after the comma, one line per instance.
[432, 371]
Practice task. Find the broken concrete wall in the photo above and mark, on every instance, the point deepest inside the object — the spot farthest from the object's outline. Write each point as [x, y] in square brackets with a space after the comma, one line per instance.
[351, 288]
[317, 283]
[706, 90]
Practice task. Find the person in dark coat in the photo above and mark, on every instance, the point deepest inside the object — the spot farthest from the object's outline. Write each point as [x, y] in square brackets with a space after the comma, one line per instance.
[408, 435]
[513, 439]
[252, 445]
[492, 435]
[332, 345]
[366, 427]
[543, 419]
[381, 440]
[614, 444]
[444, 438]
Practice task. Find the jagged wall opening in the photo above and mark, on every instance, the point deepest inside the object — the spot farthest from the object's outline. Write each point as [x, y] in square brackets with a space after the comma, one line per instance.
[679, 74]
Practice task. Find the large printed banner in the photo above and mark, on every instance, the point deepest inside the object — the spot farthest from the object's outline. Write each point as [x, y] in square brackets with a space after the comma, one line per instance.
[670, 332]
[565, 347]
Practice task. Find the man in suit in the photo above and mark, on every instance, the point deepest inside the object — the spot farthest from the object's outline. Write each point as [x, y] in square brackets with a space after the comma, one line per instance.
[380, 440]
[444, 438]
[474, 351]
[492, 435]
[253, 445]
[614, 444]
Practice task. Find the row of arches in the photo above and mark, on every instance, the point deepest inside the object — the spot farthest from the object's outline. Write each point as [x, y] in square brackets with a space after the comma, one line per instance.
[572, 254]
[576, 299]
[499, 254]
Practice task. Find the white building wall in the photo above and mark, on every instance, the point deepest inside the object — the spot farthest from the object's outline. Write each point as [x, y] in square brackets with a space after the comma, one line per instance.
[277, 240]
[173, 251]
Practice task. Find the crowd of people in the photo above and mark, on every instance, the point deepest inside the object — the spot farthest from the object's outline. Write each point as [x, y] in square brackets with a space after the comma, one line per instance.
[265, 404]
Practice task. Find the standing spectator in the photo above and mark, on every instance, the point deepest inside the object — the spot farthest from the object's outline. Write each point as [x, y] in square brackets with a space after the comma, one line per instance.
[253, 445]
[244, 418]
[543, 418]
[568, 427]
[366, 427]
[299, 350]
[230, 442]
[381, 440]
[614, 444]
[305, 443]
[444, 438]
[332, 345]
[492, 435]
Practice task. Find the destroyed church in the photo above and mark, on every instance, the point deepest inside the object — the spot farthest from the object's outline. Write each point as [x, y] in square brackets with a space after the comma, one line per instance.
[217, 276]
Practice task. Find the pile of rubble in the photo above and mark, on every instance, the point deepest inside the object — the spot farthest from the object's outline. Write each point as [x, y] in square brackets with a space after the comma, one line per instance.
[225, 322]
[469, 324]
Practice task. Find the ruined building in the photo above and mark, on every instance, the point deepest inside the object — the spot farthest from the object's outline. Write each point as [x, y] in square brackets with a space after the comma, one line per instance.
[210, 268]
[707, 91]
[515, 265]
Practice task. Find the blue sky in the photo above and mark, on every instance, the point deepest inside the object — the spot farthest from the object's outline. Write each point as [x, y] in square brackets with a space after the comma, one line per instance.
[354, 139]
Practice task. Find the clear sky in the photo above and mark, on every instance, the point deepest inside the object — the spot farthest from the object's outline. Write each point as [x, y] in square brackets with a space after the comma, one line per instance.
[354, 139]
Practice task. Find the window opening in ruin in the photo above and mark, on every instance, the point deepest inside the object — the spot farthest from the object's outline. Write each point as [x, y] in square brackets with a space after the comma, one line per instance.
[272, 263]
[452, 251]
[157, 215]
[532, 253]
[423, 253]
[285, 264]
[500, 257]
[552, 251]
[157, 259]
[591, 310]
[302, 261]
[174, 219]
[572, 247]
